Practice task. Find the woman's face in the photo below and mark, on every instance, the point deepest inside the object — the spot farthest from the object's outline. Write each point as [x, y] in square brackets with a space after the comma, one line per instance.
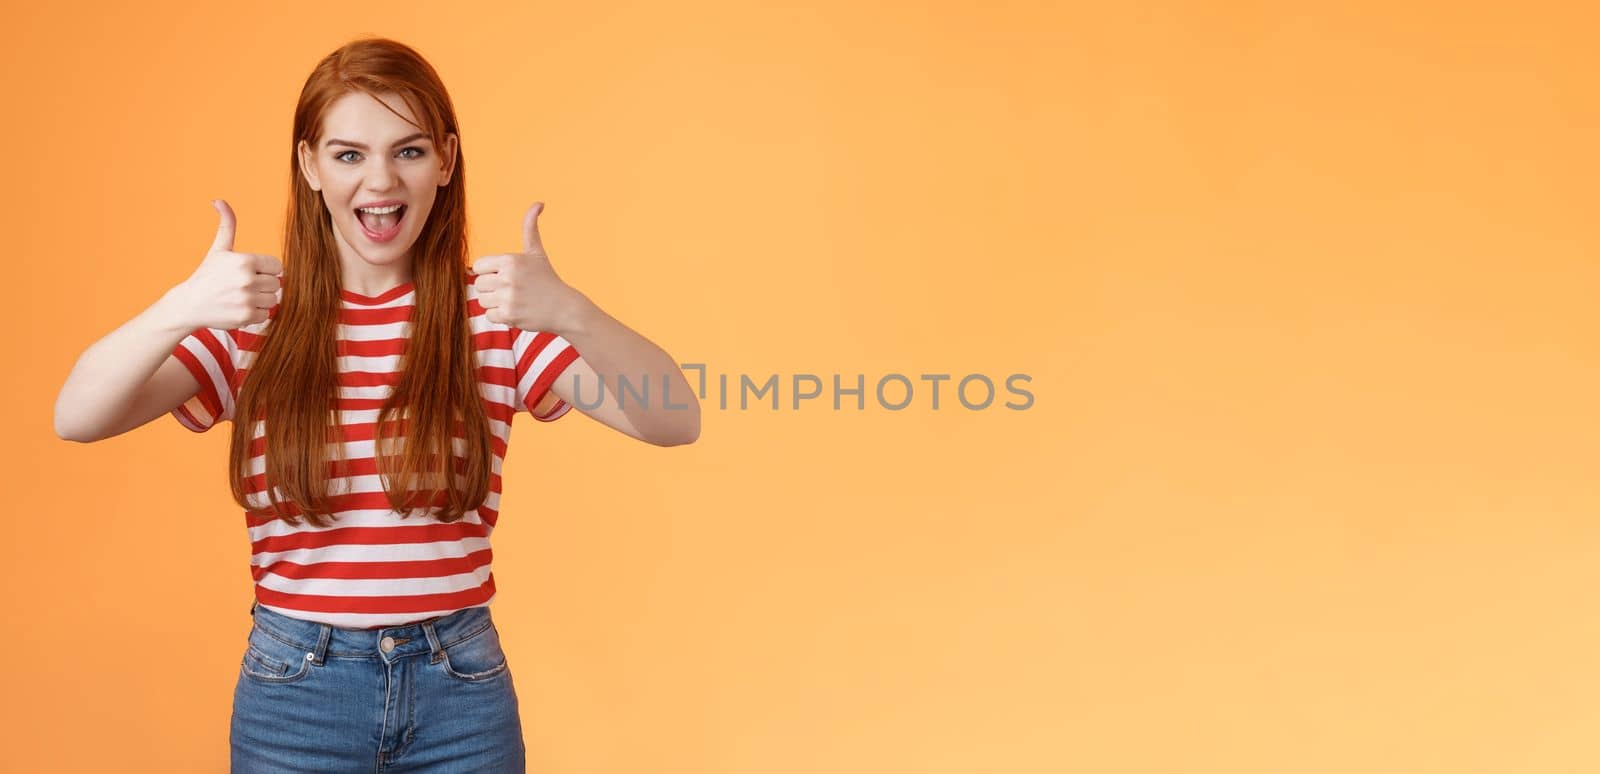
[369, 157]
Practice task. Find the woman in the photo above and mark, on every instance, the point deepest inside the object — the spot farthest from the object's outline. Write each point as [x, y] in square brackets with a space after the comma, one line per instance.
[372, 642]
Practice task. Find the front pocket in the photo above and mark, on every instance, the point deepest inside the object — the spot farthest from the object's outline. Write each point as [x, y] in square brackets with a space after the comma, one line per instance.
[271, 660]
[262, 664]
[476, 658]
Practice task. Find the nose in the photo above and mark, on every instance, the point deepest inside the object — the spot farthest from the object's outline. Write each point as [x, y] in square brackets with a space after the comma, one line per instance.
[380, 176]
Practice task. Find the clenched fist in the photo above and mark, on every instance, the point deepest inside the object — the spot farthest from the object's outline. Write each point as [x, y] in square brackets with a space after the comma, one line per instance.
[522, 289]
[230, 290]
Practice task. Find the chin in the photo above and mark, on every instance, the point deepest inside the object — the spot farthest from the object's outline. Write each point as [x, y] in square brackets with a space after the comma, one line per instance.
[387, 257]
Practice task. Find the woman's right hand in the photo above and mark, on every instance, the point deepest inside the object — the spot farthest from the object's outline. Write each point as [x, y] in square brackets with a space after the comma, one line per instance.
[230, 290]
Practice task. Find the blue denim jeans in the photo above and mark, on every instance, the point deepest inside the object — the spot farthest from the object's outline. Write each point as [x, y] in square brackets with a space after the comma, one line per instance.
[433, 696]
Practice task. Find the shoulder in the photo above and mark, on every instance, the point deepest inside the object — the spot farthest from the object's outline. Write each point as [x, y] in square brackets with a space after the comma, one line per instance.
[245, 337]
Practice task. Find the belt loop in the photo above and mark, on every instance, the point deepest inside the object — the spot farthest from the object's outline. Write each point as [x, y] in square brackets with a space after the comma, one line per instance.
[321, 653]
[434, 647]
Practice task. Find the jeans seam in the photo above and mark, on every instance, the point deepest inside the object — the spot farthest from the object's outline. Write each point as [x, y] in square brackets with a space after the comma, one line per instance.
[285, 639]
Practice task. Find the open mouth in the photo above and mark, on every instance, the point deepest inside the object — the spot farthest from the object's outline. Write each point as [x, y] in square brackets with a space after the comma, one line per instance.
[381, 226]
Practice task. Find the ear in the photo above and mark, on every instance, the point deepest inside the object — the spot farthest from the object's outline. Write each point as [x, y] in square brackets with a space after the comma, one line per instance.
[448, 151]
[308, 167]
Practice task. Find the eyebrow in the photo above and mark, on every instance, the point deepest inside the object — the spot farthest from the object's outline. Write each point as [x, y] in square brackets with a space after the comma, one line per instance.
[357, 145]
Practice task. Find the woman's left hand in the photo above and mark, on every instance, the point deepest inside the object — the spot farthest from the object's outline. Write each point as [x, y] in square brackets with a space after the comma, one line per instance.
[522, 289]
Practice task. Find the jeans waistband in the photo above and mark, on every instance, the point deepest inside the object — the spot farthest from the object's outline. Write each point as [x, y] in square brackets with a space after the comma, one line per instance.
[321, 640]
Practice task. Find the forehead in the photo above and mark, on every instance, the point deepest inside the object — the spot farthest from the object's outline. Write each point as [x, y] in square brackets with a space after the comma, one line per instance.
[358, 116]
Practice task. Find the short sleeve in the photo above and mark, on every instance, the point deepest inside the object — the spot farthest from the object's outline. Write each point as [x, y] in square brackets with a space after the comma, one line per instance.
[211, 355]
[541, 357]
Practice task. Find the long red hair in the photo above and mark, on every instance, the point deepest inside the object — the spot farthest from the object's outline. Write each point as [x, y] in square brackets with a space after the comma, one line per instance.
[294, 380]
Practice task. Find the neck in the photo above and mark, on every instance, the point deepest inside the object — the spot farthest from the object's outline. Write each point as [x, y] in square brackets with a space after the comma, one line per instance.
[367, 279]
[363, 277]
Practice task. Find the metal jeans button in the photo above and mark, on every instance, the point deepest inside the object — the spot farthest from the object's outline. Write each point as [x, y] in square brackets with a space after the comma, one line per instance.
[387, 644]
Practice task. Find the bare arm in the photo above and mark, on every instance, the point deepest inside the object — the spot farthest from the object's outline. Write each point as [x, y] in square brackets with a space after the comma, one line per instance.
[131, 377]
[127, 378]
[610, 350]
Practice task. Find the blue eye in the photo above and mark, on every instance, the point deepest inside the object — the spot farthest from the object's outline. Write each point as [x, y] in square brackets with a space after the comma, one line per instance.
[420, 153]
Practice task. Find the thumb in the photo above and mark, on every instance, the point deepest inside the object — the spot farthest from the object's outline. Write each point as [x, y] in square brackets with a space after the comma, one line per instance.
[224, 240]
[530, 228]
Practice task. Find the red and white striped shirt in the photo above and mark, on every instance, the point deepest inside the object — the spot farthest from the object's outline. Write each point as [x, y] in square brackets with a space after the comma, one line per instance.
[370, 568]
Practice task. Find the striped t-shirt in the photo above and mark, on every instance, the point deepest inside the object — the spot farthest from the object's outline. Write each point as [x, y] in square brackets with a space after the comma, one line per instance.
[370, 568]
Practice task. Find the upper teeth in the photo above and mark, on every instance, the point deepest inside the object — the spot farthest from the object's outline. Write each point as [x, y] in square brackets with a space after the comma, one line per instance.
[380, 210]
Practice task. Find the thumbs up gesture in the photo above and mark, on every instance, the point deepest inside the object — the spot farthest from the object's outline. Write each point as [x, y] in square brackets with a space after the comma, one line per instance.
[522, 289]
[230, 289]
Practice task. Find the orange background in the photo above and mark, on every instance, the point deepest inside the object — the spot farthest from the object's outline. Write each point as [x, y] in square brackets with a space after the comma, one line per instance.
[1309, 483]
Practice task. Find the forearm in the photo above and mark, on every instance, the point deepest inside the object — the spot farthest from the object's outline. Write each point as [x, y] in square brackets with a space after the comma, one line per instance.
[669, 412]
[108, 375]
